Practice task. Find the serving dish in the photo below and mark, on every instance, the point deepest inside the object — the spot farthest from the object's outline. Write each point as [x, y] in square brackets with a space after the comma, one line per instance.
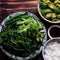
[36, 52]
[51, 9]
[49, 49]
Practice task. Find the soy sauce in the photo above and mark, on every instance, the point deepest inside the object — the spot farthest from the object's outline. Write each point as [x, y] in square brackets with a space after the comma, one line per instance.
[55, 32]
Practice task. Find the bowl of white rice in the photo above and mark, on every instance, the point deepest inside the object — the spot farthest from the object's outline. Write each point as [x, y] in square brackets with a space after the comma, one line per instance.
[51, 49]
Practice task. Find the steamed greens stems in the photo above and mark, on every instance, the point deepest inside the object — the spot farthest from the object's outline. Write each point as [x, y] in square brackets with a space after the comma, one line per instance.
[23, 34]
[50, 9]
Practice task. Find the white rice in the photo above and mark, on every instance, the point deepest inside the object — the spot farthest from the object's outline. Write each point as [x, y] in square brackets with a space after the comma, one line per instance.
[52, 51]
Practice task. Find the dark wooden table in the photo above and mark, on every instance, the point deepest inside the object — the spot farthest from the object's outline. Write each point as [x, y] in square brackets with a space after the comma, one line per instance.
[10, 6]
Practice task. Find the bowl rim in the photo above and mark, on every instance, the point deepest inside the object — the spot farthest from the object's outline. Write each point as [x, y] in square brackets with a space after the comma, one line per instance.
[37, 51]
[38, 5]
[50, 29]
[47, 42]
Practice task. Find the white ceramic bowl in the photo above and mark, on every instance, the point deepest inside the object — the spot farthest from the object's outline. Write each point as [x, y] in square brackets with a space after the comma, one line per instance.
[36, 52]
[46, 44]
[39, 8]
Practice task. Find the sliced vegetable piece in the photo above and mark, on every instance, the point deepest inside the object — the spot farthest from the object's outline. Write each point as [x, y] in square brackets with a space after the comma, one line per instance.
[57, 1]
[53, 15]
[43, 11]
[48, 15]
[54, 20]
[46, 1]
[58, 16]
[57, 10]
[43, 5]
[58, 5]
[51, 5]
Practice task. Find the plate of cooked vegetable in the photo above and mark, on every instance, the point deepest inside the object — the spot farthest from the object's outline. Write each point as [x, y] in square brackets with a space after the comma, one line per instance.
[49, 10]
[22, 35]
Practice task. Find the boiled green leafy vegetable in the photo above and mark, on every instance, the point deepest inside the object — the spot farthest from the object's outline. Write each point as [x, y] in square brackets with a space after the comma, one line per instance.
[22, 36]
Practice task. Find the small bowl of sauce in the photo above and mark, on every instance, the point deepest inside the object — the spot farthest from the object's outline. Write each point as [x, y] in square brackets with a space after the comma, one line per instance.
[54, 31]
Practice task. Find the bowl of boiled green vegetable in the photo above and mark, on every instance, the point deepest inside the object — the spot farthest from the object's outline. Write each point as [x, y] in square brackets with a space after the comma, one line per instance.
[49, 10]
[22, 35]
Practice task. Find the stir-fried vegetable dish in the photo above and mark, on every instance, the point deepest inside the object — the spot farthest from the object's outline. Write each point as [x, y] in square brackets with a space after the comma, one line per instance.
[22, 35]
[50, 9]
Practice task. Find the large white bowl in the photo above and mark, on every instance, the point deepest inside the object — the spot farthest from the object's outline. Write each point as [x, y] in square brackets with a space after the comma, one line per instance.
[39, 8]
[30, 56]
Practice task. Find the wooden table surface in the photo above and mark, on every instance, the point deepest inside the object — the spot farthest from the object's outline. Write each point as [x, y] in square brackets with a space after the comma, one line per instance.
[10, 6]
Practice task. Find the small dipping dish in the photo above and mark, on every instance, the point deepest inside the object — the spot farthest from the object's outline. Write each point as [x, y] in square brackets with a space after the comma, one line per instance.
[54, 31]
